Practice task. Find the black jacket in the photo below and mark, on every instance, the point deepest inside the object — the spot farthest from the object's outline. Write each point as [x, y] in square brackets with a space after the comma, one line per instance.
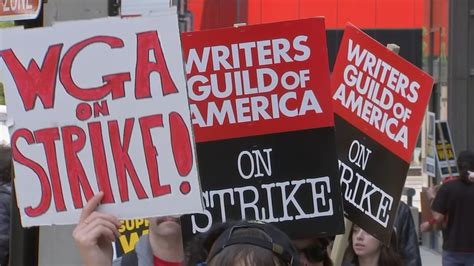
[407, 237]
[5, 206]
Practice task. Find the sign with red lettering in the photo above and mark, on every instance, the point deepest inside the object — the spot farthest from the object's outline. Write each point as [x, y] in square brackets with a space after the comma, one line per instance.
[100, 108]
[19, 9]
[264, 127]
[379, 104]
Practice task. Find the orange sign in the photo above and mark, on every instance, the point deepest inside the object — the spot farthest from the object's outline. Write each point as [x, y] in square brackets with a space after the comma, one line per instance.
[19, 9]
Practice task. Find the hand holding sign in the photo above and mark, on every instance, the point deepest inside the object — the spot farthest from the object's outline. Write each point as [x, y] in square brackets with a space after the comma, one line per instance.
[95, 233]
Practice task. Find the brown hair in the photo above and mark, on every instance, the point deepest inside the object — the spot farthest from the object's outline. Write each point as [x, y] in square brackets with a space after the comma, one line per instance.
[246, 254]
[388, 254]
[253, 243]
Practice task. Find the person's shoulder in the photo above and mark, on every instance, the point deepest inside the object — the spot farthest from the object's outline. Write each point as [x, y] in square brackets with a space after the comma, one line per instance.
[5, 193]
[451, 184]
[6, 188]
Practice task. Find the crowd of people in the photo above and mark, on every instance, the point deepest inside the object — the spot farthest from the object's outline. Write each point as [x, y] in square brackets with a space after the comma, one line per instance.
[230, 243]
[258, 243]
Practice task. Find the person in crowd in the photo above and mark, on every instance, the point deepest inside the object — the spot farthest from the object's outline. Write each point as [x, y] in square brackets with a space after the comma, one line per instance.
[366, 250]
[407, 236]
[430, 225]
[5, 202]
[198, 248]
[241, 243]
[454, 200]
[252, 243]
[314, 251]
[95, 232]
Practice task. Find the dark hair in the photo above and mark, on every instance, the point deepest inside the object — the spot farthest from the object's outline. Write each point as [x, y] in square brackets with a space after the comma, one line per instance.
[5, 164]
[317, 250]
[325, 242]
[465, 163]
[198, 248]
[388, 254]
[254, 243]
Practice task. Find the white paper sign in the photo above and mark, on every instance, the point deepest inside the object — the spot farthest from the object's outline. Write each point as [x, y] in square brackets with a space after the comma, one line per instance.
[100, 106]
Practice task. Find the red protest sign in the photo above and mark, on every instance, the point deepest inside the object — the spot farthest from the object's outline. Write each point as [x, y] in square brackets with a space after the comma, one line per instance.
[264, 125]
[245, 86]
[18, 10]
[379, 102]
[380, 92]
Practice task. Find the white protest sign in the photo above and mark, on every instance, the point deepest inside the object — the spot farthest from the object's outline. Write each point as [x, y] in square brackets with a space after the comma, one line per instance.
[100, 106]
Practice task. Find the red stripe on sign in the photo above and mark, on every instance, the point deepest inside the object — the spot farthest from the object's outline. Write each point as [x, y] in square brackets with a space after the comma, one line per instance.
[258, 80]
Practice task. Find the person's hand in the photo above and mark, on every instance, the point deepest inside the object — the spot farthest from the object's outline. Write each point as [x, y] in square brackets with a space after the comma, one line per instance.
[431, 192]
[425, 227]
[94, 234]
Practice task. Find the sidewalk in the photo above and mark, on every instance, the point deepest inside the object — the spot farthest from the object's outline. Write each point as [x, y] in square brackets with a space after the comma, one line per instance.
[430, 257]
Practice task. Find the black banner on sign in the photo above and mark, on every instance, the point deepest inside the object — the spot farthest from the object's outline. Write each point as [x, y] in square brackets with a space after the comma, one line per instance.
[371, 203]
[255, 178]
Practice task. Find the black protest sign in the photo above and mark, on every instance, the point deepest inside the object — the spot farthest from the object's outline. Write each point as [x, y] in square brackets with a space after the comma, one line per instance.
[445, 150]
[379, 103]
[264, 127]
[130, 232]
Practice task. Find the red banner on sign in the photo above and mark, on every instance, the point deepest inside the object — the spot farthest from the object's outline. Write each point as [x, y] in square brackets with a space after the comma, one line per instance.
[379, 92]
[272, 79]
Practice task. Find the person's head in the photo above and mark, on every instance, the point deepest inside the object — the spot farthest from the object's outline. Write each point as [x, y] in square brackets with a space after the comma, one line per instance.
[466, 166]
[252, 243]
[198, 248]
[166, 226]
[362, 245]
[314, 251]
[5, 163]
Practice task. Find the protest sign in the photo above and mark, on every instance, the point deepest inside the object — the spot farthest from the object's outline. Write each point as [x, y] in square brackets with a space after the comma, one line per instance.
[430, 161]
[263, 122]
[379, 102]
[102, 107]
[445, 154]
[130, 232]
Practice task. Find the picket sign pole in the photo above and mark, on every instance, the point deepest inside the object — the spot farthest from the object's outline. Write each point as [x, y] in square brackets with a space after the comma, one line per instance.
[341, 241]
[340, 244]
